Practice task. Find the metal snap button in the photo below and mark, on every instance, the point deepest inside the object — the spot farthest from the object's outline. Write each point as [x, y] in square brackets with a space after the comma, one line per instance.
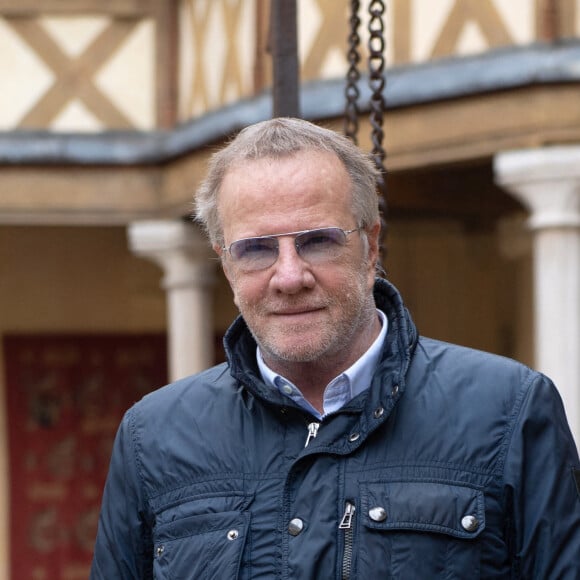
[159, 551]
[378, 514]
[353, 437]
[469, 523]
[233, 535]
[379, 412]
[395, 390]
[295, 526]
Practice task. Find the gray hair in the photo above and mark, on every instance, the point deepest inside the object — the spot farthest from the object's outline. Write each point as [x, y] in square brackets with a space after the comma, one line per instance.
[281, 137]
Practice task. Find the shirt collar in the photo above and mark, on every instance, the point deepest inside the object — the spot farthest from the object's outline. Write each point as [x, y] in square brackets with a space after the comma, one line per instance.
[350, 383]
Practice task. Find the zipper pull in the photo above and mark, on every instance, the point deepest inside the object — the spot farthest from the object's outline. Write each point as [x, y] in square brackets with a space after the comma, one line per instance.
[346, 522]
[312, 432]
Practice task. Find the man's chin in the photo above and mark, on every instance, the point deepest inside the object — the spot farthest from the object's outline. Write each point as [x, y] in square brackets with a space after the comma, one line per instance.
[298, 352]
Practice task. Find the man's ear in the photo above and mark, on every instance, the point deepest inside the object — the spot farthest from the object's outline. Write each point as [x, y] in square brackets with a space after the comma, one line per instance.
[373, 234]
[220, 252]
[226, 270]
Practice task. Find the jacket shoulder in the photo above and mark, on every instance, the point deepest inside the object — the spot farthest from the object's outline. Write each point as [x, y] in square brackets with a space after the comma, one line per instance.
[213, 377]
[472, 365]
[186, 395]
[465, 405]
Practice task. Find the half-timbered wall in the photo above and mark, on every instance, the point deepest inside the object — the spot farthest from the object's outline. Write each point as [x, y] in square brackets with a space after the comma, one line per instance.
[91, 66]
[86, 65]
[417, 31]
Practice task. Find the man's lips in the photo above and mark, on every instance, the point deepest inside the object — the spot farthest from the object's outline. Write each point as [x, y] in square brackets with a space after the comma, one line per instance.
[297, 311]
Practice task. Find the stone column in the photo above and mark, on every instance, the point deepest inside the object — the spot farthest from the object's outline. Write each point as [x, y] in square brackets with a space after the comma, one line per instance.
[547, 182]
[183, 253]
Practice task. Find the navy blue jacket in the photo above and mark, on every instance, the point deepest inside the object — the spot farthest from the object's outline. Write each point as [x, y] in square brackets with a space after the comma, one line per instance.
[454, 464]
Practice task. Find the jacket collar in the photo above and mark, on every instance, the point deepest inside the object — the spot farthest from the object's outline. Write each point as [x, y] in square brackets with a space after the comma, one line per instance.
[389, 379]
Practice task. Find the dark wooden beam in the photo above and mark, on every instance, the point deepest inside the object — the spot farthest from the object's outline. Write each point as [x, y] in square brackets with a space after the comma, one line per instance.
[284, 31]
[76, 7]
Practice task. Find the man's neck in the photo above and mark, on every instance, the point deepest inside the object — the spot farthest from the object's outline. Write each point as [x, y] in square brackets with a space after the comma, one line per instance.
[312, 377]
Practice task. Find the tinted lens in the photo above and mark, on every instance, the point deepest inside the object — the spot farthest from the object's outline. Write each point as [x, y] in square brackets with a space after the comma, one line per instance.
[255, 253]
[320, 244]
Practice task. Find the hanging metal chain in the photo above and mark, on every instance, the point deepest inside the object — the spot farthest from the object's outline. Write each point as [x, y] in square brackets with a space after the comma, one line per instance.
[352, 92]
[376, 44]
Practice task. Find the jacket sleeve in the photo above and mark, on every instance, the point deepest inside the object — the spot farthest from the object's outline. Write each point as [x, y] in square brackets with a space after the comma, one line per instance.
[541, 487]
[123, 549]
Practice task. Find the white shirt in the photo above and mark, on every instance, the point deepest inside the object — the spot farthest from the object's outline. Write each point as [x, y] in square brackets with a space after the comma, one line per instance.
[353, 381]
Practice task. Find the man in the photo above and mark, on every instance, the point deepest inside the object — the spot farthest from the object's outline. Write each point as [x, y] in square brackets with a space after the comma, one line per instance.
[335, 442]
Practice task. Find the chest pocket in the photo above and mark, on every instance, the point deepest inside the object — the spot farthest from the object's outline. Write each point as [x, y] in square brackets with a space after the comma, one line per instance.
[419, 529]
[201, 538]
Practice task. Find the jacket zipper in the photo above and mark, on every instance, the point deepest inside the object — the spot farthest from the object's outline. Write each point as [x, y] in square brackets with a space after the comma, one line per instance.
[346, 524]
[312, 432]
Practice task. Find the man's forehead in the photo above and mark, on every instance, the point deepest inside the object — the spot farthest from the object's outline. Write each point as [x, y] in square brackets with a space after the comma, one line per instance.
[251, 160]
[284, 195]
[304, 164]
[307, 169]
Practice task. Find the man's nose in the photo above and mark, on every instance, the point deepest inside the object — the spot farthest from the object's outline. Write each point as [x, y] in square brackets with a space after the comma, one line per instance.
[291, 272]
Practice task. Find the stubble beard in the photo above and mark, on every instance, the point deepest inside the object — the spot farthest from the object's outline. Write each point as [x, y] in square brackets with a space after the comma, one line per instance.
[325, 340]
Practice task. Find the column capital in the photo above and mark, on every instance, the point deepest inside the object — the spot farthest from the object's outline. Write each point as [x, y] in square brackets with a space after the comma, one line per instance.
[178, 247]
[183, 253]
[546, 181]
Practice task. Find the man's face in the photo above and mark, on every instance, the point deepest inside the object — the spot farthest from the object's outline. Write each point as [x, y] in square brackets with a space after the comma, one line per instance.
[297, 311]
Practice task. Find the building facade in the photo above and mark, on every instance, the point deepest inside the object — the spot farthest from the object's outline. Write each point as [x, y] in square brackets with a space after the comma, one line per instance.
[109, 111]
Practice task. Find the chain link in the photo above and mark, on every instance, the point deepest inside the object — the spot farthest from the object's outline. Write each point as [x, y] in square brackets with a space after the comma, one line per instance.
[352, 92]
[376, 68]
[376, 62]
[376, 46]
